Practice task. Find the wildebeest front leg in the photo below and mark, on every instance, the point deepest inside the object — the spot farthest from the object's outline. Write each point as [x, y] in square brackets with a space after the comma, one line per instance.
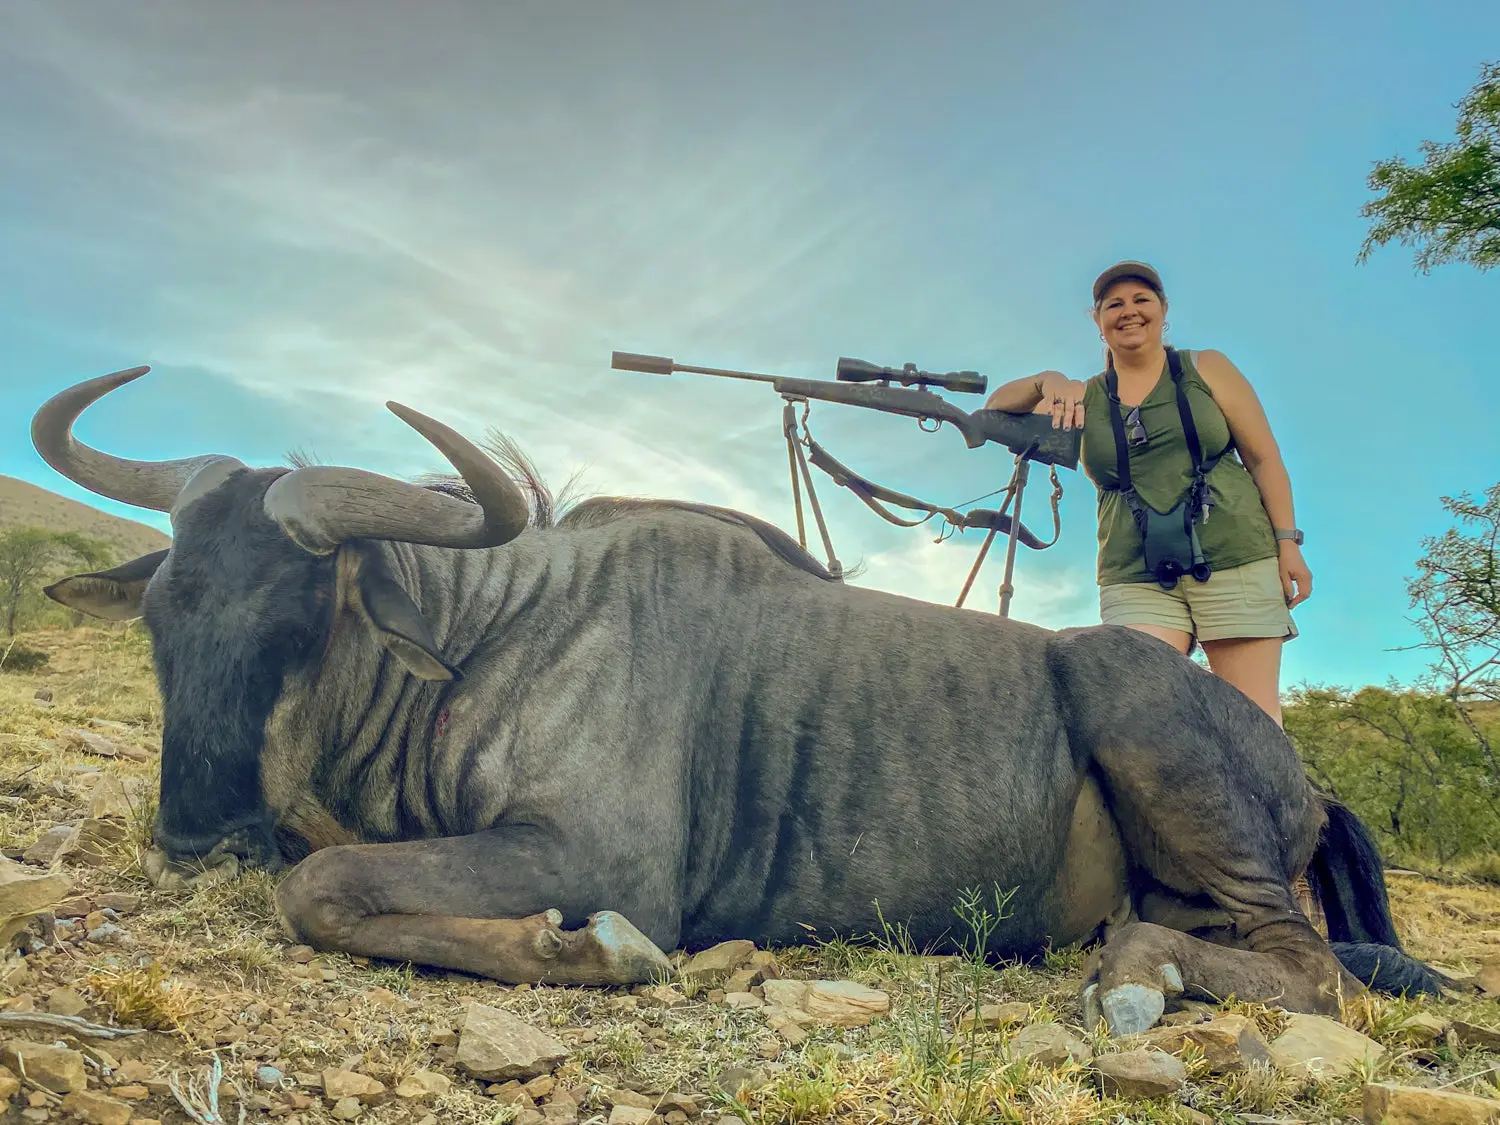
[493, 904]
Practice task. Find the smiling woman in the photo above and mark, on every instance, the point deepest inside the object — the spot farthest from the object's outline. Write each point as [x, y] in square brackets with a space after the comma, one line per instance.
[1170, 437]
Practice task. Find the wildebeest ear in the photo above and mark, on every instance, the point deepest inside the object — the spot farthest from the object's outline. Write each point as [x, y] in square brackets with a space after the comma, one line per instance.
[114, 595]
[398, 624]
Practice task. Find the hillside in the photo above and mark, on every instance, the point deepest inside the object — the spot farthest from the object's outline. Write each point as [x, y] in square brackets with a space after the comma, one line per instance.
[23, 504]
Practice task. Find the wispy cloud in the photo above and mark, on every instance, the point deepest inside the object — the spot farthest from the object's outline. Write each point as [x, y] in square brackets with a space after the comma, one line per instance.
[330, 254]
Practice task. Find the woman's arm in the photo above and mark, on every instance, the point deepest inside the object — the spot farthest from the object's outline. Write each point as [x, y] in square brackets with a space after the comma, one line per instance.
[1062, 397]
[1257, 446]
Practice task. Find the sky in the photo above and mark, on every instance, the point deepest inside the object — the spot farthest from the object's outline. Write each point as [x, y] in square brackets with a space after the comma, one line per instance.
[295, 212]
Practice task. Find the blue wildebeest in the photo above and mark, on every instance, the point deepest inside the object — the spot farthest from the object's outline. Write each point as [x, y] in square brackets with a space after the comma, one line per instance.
[545, 750]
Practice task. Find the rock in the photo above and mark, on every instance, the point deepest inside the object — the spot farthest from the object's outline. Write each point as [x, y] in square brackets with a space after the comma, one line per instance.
[1140, 1074]
[1229, 1043]
[301, 954]
[1389, 1104]
[423, 1084]
[629, 1115]
[685, 1104]
[107, 934]
[97, 841]
[347, 1109]
[992, 1017]
[785, 993]
[57, 1068]
[133, 1070]
[118, 901]
[269, 1078]
[339, 1085]
[1313, 1045]
[87, 742]
[737, 1078]
[509, 1093]
[1488, 977]
[42, 695]
[132, 1093]
[743, 980]
[66, 1002]
[116, 798]
[75, 907]
[663, 996]
[714, 965]
[97, 1109]
[1473, 1035]
[1050, 1044]
[1424, 1028]
[386, 999]
[743, 1000]
[495, 1045]
[539, 1088]
[844, 1003]
[793, 1033]
[10, 1085]
[51, 844]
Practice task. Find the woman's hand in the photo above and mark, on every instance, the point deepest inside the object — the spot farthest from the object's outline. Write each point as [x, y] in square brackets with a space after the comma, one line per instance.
[1062, 398]
[1296, 579]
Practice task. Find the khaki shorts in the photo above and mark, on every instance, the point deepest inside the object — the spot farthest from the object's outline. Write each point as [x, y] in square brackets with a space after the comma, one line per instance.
[1243, 601]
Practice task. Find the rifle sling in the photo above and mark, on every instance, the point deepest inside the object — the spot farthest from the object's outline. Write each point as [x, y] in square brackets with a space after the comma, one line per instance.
[872, 494]
[1189, 432]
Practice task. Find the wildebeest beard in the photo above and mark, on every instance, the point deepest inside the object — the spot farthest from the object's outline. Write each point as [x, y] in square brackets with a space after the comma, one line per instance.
[236, 607]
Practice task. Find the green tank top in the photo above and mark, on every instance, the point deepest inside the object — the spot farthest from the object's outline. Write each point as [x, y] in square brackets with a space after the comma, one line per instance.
[1237, 530]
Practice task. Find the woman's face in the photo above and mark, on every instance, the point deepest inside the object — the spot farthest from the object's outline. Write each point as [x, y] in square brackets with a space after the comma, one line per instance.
[1130, 316]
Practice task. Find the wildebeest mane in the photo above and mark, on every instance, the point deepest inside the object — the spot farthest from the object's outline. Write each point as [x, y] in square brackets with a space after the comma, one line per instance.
[603, 509]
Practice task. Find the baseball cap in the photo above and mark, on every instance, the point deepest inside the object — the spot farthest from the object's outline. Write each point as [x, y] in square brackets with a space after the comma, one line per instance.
[1138, 270]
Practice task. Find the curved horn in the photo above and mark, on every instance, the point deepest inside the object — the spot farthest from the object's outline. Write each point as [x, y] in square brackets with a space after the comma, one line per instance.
[322, 506]
[146, 484]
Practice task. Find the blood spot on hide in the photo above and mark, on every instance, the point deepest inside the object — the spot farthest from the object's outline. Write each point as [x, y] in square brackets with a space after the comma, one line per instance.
[442, 722]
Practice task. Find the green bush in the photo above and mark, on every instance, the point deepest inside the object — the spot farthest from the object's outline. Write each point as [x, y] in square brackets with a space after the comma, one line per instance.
[17, 658]
[1415, 766]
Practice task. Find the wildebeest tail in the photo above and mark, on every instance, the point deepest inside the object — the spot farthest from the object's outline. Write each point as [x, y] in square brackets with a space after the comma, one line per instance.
[1347, 878]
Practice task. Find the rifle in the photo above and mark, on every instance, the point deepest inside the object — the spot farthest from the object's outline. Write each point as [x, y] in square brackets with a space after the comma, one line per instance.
[1030, 437]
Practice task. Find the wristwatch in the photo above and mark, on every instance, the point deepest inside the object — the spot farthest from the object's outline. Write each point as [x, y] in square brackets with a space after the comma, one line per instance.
[1295, 535]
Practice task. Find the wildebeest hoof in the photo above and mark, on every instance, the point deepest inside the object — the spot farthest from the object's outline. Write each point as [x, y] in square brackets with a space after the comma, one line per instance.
[1171, 978]
[629, 956]
[1091, 1011]
[167, 874]
[1130, 1009]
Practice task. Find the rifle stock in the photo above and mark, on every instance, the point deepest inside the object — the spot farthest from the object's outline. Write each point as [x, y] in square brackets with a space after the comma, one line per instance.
[1030, 434]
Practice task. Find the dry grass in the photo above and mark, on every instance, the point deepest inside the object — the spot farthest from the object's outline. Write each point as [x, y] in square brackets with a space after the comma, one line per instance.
[209, 973]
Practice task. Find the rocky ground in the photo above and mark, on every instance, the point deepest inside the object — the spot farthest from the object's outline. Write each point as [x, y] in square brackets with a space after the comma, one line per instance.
[121, 1003]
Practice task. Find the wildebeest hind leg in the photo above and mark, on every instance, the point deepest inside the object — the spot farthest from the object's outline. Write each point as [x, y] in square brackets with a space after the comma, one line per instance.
[492, 904]
[1216, 814]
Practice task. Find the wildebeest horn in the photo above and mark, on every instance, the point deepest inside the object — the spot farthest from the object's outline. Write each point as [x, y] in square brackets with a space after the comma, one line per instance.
[146, 484]
[322, 506]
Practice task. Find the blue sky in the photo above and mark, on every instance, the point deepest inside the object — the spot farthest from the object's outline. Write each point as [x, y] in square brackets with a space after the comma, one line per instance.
[295, 212]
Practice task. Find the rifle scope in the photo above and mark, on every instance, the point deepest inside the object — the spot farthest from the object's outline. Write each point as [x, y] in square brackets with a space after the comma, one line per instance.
[858, 371]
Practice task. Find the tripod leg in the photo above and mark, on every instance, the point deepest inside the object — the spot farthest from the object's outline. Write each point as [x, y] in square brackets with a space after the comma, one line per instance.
[1023, 470]
[974, 572]
[789, 425]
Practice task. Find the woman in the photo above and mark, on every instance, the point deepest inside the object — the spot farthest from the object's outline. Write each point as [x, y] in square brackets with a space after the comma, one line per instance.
[1241, 613]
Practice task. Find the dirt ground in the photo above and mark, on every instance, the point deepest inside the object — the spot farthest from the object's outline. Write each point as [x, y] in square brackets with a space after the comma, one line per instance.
[209, 976]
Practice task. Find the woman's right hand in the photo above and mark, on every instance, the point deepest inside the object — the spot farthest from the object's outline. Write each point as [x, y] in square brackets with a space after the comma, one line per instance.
[1062, 398]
